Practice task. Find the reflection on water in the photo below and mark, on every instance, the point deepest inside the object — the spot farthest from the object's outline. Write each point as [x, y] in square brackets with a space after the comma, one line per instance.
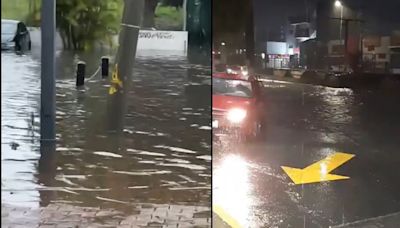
[17, 150]
[232, 190]
[305, 125]
[161, 155]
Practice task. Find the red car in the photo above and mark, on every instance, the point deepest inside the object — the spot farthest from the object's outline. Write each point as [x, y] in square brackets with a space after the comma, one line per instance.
[238, 107]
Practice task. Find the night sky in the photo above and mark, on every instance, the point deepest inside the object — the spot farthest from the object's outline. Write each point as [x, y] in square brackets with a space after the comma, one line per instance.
[382, 16]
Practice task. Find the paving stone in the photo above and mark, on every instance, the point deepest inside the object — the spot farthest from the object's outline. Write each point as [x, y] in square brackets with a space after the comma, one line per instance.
[148, 215]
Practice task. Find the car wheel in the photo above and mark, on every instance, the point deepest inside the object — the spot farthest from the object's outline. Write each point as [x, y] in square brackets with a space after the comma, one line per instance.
[29, 45]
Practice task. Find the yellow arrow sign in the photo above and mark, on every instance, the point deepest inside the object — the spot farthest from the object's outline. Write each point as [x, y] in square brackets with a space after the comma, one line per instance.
[319, 171]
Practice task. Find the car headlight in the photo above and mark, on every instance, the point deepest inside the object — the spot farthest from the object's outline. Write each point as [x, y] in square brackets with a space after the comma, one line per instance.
[236, 115]
[245, 73]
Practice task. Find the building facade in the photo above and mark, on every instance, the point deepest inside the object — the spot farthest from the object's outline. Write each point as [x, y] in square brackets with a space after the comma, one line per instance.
[382, 53]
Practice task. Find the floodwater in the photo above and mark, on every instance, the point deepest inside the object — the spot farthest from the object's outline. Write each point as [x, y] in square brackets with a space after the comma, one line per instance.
[160, 153]
[306, 124]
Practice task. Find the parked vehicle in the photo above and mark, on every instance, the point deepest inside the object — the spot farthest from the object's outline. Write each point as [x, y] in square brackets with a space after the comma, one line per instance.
[236, 69]
[340, 71]
[14, 36]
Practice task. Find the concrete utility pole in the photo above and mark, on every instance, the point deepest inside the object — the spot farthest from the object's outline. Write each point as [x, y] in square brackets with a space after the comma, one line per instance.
[128, 38]
[48, 90]
[346, 33]
[249, 37]
[47, 170]
[184, 16]
[341, 24]
[184, 10]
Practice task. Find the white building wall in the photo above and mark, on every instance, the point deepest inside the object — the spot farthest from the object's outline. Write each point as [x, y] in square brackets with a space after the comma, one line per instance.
[382, 49]
[149, 40]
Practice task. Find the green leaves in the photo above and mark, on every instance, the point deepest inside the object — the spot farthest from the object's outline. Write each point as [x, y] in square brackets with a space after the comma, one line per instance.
[83, 22]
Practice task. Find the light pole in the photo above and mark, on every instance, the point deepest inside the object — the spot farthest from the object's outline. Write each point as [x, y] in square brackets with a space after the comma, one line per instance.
[223, 52]
[48, 71]
[338, 4]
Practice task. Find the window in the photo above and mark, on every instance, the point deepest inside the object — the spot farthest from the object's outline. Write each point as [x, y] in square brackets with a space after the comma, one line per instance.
[337, 49]
[382, 56]
[8, 28]
[236, 88]
[371, 48]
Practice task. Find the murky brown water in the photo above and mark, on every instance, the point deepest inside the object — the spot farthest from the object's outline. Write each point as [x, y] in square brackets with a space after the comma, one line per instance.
[162, 155]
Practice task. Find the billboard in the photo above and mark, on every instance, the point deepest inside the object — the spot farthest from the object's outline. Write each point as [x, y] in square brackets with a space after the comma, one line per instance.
[277, 48]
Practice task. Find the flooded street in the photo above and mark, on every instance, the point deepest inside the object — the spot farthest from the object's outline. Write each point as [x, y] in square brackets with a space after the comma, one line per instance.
[160, 156]
[311, 129]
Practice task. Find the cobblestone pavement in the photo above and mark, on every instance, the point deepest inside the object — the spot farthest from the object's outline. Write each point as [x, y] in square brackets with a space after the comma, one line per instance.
[68, 216]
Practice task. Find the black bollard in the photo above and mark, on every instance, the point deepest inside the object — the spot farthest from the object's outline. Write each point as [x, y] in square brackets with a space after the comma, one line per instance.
[104, 67]
[80, 74]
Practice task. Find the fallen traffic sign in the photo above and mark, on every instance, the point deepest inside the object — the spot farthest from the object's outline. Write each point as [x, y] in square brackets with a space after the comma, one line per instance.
[319, 171]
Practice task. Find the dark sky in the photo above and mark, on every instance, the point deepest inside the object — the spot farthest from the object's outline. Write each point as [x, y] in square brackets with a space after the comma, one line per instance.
[382, 16]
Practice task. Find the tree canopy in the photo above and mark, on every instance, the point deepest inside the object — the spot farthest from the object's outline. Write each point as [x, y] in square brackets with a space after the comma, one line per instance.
[174, 3]
[81, 22]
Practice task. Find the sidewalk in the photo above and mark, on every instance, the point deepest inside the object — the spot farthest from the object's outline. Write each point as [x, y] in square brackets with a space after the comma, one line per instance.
[63, 216]
[371, 81]
[387, 221]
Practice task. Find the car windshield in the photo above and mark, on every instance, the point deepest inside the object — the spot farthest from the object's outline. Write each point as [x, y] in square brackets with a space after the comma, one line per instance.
[8, 28]
[220, 68]
[228, 87]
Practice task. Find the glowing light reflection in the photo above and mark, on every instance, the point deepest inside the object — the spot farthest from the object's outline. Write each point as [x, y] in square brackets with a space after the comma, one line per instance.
[231, 189]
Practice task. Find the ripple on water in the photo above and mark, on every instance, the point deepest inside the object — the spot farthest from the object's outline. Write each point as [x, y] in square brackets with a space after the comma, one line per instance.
[187, 166]
[107, 154]
[144, 172]
[176, 149]
[143, 152]
[151, 154]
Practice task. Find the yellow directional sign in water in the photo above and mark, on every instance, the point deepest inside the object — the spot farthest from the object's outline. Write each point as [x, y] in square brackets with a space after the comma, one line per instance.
[319, 171]
[115, 81]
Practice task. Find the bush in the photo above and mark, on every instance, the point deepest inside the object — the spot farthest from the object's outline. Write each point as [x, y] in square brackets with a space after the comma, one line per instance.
[169, 18]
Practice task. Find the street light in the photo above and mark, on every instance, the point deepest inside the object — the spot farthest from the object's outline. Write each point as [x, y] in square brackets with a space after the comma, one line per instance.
[338, 4]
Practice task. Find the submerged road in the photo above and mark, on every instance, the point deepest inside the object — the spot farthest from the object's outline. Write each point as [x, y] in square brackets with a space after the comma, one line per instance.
[151, 163]
[349, 141]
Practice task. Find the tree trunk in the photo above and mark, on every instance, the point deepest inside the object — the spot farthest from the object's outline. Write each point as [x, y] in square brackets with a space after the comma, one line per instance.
[63, 38]
[149, 13]
[73, 39]
[30, 7]
[69, 38]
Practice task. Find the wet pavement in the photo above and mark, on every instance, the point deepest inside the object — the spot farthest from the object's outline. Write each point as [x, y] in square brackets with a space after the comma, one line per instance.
[66, 215]
[158, 156]
[307, 124]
